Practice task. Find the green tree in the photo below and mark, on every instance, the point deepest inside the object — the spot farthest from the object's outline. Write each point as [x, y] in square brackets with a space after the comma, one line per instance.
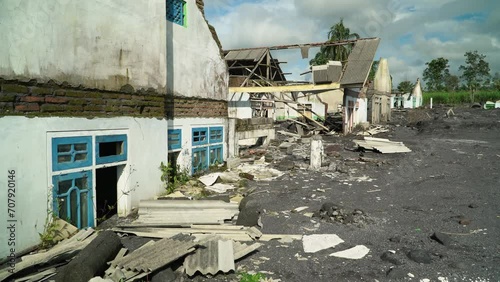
[496, 81]
[373, 71]
[452, 83]
[435, 74]
[338, 32]
[406, 86]
[475, 72]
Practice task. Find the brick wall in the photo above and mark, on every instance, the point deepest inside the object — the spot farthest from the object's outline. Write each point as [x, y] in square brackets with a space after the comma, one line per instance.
[250, 124]
[32, 99]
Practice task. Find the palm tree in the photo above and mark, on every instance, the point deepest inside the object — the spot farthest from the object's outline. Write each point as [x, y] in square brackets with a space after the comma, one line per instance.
[338, 32]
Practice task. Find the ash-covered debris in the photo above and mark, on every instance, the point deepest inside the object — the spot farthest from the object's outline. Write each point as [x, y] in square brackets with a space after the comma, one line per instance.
[331, 212]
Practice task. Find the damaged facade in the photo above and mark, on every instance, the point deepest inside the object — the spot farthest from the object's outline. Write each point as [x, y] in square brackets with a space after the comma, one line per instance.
[258, 87]
[108, 92]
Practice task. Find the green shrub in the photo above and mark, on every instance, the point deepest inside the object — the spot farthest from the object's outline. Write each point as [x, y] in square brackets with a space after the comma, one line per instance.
[173, 176]
[460, 97]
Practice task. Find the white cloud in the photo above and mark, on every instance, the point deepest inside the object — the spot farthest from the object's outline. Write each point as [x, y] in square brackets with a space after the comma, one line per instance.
[276, 22]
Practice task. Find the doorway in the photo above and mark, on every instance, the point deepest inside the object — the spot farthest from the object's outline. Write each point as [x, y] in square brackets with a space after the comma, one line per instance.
[106, 192]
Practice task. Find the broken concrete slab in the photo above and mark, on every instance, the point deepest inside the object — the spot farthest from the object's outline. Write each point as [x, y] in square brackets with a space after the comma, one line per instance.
[232, 163]
[220, 187]
[384, 146]
[64, 230]
[357, 252]
[209, 179]
[318, 242]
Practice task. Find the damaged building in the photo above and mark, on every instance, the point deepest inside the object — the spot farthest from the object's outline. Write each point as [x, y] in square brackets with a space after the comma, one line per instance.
[94, 96]
[258, 87]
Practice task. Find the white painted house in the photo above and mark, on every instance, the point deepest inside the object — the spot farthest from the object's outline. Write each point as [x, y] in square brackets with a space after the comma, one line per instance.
[94, 95]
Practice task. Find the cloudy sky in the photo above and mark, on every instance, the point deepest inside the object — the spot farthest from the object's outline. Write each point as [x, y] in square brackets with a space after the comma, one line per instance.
[412, 32]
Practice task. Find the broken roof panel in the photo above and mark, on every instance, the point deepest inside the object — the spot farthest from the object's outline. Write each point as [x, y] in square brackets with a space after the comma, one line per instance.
[254, 55]
[155, 255]
[360, 61]
[215, 255]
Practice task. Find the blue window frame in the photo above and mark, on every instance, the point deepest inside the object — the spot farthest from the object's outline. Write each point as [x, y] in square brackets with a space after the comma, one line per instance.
[71, 152]
[216, 134]
[216, 154]
[200, 136]
[176, 11]
[174, 139]
[72, 194]
[200, 159]
[111, 148]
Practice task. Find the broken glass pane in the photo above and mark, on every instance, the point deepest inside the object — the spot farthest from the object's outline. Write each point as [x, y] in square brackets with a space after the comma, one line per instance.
[63, 212]
[63, 148]
[64, 186]
[84, 209]
[73, 202]
[81, 183]
[63, 158]
[81, 147]
[80, 157]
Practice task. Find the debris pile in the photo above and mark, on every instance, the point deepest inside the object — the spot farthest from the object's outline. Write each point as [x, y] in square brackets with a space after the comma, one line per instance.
[331, 212]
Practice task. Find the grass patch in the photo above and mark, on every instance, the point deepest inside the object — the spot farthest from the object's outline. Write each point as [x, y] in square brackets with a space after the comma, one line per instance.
[460, 97]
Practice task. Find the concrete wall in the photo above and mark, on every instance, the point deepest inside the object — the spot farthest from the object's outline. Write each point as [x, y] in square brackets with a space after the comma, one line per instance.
[355, 110]
[195, 67]
[102, 44]
[318, 106]
[333, 99]
[26, 148]
[106, 44]
[239, 105]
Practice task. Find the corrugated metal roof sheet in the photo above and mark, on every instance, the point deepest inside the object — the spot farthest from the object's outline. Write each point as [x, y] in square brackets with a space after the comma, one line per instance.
[360, 61]
[155, 255]
[254, 55]
[214, 256]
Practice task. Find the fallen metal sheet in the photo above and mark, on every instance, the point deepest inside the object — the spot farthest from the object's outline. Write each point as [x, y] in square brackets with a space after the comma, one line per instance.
[61, 251]
[384, 146]
[155, 255]
[220, 187]
[241, 250]
[185, 212]
[213, 256]
[254, 55]
[359, 62]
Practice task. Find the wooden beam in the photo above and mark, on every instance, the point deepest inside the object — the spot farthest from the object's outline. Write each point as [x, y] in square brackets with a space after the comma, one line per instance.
[295, 46]
[286, 88]
[253, 71]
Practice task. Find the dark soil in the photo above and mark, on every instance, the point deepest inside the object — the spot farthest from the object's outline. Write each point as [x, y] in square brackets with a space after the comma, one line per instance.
[449, 184]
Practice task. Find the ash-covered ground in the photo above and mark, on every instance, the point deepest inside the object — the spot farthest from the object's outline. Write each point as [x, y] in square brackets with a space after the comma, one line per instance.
[391, 203]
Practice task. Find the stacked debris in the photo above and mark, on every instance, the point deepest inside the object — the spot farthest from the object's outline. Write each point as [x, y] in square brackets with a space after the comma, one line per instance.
[331, 212]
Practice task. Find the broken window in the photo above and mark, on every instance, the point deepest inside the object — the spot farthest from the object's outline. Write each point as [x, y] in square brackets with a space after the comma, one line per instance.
[200, 160]
[176, 11]
[71, 152]
[200, 136]
[216, 134]
[174, 139]
[111, 148]
[216, 156]
[73, 198]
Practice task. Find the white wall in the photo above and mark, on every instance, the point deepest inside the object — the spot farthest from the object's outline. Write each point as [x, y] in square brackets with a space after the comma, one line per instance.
[195, 67]
[106, 44]
[239, 105]
[318, 106]
[333, 98]
[101, 44]
[25, 148]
